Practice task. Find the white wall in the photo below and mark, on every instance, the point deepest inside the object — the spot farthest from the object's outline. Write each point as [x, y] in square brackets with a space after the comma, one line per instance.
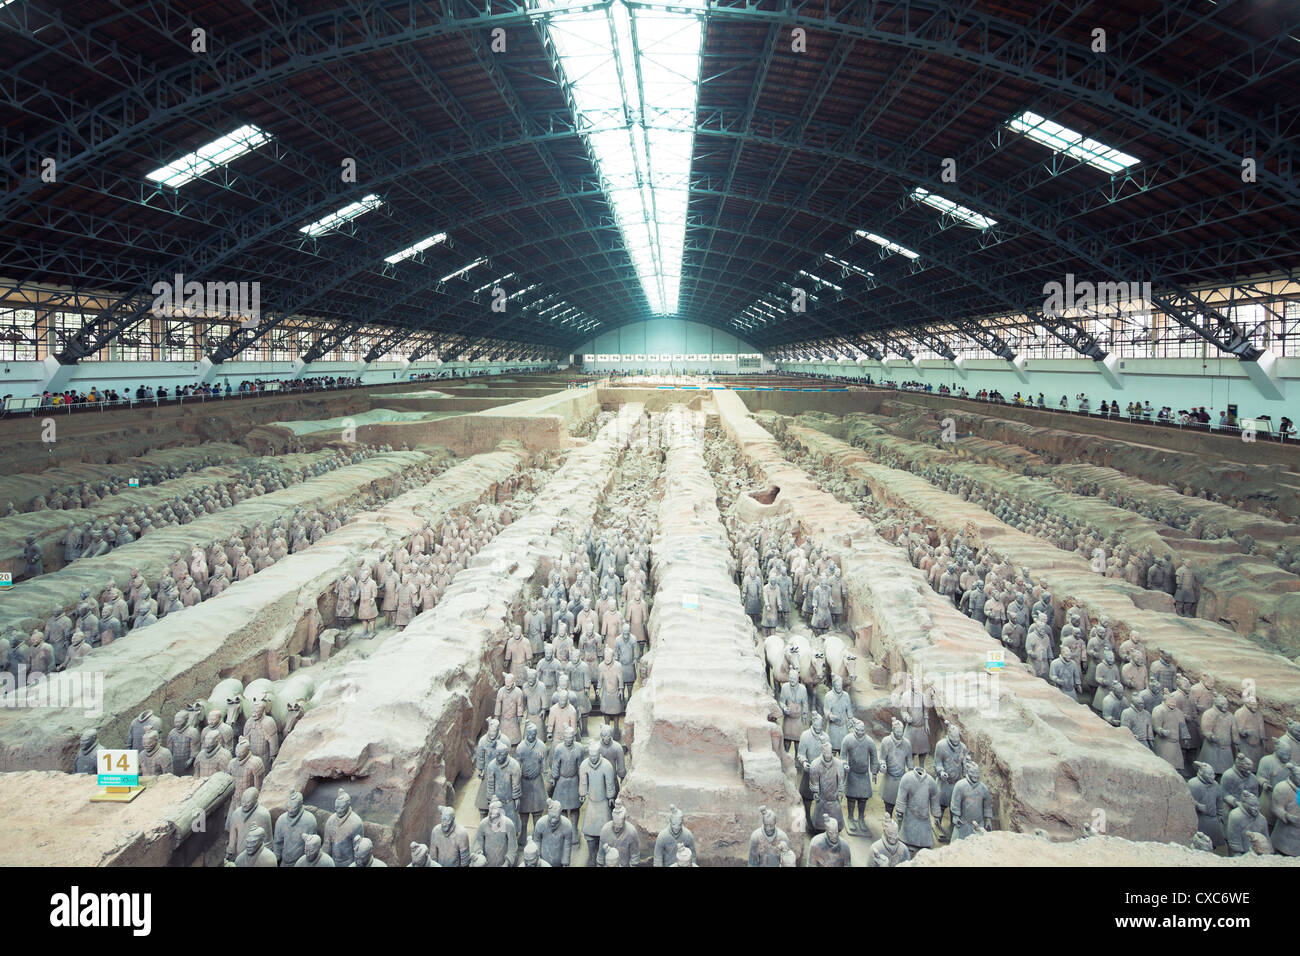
[666, 336]
[1177, 382]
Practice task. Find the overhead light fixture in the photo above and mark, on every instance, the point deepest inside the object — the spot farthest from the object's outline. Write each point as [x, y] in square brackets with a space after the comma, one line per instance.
[634, 76]
[335, 219]
[961, 213]
[886, 244]
[419, 247]
[1062, 139]
[220, 152]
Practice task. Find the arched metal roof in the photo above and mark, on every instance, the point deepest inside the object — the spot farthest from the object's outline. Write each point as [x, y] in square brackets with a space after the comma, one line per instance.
[799, 149]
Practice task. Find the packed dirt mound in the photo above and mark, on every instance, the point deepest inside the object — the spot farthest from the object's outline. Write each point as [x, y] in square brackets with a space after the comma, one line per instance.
[1000, 848]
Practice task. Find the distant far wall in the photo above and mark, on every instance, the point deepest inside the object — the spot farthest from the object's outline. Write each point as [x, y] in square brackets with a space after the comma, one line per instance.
[1177, 382]
[631, 347]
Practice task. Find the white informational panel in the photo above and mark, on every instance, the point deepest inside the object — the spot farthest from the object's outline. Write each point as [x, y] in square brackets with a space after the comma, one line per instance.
[638, 358]
[691, 357]
[602, 357]
[588, 358]
[679, 357]
[22, 404]
[729, 357]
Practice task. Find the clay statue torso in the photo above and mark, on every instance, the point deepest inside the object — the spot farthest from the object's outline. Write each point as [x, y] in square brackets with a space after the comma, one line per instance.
[339, 834]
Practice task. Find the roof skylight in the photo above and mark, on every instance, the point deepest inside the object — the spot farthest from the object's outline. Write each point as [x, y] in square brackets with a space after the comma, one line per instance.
[461, 271]
[486, 286]
[419, 247]
[1062, 139]
[349, 212]
[886, 244]
[962, 214]
[824, 283]
[634, 78]
[847, 266]
[220, 152]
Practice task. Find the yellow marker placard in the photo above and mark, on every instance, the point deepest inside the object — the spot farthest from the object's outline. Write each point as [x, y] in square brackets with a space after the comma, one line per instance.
[118, 768]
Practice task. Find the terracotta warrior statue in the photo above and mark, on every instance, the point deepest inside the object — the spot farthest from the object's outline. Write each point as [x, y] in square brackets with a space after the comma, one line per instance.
[553, 835]
[827, 849]
[621, 836]
[247, 816]
[313, 854]
[292, 830]
[596, 785]
[495, 840]
[672, 838]
[889, 850]
[449, 842]
[340, 830]
[766, 842]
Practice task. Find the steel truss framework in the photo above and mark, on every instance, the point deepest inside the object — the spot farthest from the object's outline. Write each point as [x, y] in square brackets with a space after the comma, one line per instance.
[794, 153]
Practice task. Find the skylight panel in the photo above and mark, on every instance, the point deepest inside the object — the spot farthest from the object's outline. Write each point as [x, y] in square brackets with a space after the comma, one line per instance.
[463, 270]
[419, 247]
[886, 244]
[349, 212]
[220, 152]
[847, 266]
[792, 288]
[634, 78]
[540, 300]
[1062, 139]
[824, 283]
[961, 213]
[485, 287]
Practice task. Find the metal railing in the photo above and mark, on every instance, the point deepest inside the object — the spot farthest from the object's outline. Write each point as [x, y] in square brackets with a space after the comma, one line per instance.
[1225, 430]
[200, 397]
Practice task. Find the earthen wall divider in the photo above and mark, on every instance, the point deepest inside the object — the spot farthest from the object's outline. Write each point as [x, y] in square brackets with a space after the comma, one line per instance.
[1050, 761]
[396, 728]
[704, 727]
[1199, 647]
[247, 632]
